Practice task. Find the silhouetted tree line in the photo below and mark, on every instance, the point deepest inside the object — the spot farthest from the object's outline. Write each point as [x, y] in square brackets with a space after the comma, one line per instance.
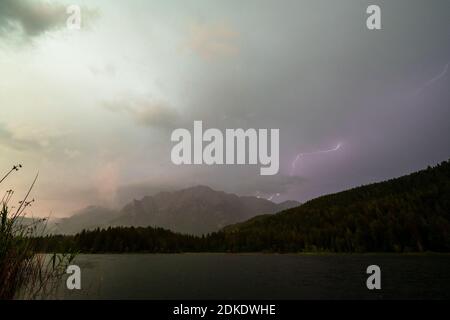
[410, 213]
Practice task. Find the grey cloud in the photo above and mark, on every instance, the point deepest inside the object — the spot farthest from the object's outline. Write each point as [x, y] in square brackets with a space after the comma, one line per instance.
[108, 70]
[146, 112]
[251, 185]
[37, 140]
[10, 140]
[266, 185]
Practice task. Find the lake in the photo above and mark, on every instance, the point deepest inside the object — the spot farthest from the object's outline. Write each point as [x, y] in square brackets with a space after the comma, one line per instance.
[258, 276]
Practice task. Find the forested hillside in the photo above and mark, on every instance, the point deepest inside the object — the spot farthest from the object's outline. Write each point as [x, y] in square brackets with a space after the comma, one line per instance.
[410, 213]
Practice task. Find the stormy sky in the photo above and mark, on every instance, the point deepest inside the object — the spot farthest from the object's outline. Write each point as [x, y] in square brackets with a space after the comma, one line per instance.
[92, 109]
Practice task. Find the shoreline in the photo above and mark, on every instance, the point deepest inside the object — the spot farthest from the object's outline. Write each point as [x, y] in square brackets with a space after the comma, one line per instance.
[269, 253]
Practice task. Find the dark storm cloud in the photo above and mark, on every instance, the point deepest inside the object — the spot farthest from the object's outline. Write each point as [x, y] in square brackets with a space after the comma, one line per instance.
[315, 71]
[33, 18]
[309, 68]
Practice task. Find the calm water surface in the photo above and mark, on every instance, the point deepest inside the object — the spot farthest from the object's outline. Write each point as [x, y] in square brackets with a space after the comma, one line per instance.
[258, 276]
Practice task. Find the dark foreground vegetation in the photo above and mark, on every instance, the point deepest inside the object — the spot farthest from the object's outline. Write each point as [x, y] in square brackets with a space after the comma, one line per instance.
[406, 214]
[24, 273]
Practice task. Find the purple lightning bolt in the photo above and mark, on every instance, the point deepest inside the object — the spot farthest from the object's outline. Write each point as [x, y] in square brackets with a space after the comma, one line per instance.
[433, 80]
[294, 163]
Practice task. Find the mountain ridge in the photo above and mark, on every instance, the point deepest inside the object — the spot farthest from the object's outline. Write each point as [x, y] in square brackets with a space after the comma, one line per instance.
[194, 210]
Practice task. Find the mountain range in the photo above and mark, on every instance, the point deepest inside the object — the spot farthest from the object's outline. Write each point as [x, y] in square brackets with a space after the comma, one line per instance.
[195, 210]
